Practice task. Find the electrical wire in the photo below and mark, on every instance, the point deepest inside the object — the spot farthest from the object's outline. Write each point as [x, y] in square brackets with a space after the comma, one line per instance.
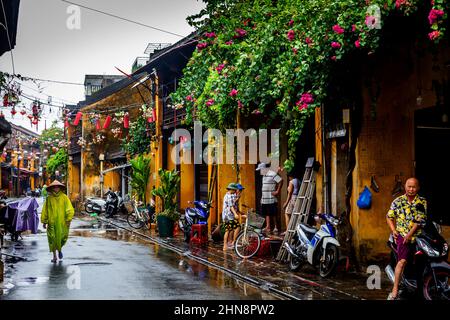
[125, 19]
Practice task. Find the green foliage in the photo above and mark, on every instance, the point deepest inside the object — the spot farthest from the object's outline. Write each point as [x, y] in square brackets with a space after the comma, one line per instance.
[140, 137]
[278, 55]
[52, 137]
[140, 176]
[167, 192]
[58, 161]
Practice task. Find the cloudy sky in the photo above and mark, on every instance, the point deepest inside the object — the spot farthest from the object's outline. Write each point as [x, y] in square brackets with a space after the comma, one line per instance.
[47, 49]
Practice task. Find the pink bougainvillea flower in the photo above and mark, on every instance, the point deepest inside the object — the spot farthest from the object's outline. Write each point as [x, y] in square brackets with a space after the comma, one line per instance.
[291, 22]
[291, 35]
[353, 27]
[240, 33]
[338, 29]
[229, 42]
[358, 44]
[210, 102]
[308, 40]
[210, 35]
[220, 67]
[295, 50]
[233, 93]
[399, 3]
[434, 35]
[256, 111]
[189, 98]
[434, 15]
[240, 105]
[335, 45]
[202, 45]
[301, 106]
[307, 98]
[371, 21]
[333, 58]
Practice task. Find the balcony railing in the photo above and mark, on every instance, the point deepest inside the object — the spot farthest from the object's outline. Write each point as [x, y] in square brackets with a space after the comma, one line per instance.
[173, 117]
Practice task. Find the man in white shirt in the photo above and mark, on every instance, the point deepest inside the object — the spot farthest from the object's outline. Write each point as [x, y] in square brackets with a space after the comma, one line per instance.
[271, 188]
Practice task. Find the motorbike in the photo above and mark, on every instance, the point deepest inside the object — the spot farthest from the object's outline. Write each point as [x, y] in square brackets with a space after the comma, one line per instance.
[95, 205]
[112, 203]
[320, 248]
[427, 275]
[197, 215]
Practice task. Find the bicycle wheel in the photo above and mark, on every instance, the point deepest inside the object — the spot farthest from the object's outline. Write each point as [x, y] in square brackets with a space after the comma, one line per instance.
[134, 221]
[247, 244]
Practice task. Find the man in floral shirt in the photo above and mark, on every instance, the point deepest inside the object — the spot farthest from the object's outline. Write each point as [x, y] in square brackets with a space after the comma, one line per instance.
[403, 219]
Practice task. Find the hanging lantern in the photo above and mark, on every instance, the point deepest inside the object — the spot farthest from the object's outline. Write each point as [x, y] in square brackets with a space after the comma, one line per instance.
[98, 126]
[13, 112]
[35, 121]
[66, 123]
[107, 122]
[126, 121]
[77, 118]
[154, 114]
[23, 112]
[30, 116]
[5, 100]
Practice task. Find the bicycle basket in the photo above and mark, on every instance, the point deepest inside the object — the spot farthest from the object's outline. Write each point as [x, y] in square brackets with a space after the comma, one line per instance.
[255, 220]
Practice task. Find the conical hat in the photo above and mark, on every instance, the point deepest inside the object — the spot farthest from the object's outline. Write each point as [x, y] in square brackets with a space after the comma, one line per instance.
[55, 183]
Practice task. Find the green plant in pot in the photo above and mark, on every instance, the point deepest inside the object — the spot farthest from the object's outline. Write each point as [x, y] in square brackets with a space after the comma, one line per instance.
[167, 192]
[140, 176]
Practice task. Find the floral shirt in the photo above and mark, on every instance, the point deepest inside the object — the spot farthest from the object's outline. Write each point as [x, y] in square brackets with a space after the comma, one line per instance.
[228, 201]
[406, 214]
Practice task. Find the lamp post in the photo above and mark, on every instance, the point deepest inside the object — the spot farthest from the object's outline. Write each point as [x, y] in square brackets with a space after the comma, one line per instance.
[101, 157]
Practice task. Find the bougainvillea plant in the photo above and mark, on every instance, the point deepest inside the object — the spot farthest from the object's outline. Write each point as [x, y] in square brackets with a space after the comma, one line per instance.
[274, 58]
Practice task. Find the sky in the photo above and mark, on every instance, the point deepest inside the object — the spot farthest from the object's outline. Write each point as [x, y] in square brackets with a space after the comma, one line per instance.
[46, 48]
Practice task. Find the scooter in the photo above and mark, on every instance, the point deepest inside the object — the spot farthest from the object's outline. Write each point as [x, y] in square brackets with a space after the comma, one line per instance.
[320, 248]
[428, 274]
[95, 205]
[112, 203]
[197, 215]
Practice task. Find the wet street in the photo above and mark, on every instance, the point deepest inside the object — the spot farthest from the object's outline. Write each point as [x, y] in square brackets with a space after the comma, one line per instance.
[113, 265]
[102, 262]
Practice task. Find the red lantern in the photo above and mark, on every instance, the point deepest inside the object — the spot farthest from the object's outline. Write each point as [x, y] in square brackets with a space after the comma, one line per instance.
[107, 122]
[66, 123]
[98, 126]
[30, 117]
[23, 112]
[77, 118]
[13, 112]
[35, 121]
[126, 121]
[5, 100]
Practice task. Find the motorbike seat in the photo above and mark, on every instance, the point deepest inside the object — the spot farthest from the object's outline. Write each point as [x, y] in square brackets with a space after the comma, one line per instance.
[191, 212]
[308, 229]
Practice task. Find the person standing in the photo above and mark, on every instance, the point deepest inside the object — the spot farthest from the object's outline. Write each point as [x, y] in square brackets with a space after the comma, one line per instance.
[288, 206]
[403, 219]
[57, 214]
[230, 216]
[271, 188]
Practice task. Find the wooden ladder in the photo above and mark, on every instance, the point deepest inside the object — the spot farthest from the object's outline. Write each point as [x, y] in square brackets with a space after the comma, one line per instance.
[302, 205]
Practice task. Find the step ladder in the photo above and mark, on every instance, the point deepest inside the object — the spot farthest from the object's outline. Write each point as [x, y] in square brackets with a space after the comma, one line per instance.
[302, 205]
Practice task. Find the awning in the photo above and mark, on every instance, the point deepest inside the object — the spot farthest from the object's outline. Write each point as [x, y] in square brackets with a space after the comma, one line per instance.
[12, 17]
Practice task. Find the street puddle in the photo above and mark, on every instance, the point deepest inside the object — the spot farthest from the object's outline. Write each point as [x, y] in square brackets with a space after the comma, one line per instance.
[31, 280]
[93, 263]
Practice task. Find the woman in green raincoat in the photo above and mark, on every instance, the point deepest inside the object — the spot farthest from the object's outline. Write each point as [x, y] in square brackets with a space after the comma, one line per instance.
[57, 213]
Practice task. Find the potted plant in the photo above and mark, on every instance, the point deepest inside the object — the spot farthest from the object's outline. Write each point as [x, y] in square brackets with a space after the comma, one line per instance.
[140, 176]
[167, 192]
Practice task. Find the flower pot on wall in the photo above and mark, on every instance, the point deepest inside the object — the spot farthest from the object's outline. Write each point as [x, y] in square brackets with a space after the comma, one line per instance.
[165, 226]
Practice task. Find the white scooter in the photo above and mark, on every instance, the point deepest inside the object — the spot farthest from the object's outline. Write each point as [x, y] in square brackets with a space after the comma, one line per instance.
[319, 248]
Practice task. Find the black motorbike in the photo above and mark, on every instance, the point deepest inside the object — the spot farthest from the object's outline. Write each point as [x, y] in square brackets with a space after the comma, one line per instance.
[112, 203]
[427, 276]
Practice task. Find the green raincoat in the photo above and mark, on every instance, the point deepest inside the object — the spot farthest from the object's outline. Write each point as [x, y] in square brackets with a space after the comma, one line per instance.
[57, 213]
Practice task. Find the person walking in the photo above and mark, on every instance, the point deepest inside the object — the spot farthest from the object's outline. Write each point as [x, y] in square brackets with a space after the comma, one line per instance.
[57, 214]
[230, 216]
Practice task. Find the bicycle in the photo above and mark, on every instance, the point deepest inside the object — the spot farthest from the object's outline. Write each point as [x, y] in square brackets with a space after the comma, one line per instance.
[248, 240]
[140, 217]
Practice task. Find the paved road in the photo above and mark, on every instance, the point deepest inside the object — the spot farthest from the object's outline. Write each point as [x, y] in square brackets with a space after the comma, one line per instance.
[105, 263]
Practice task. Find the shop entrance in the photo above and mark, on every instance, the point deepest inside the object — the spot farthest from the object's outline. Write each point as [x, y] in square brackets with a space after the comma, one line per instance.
[432, 143]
